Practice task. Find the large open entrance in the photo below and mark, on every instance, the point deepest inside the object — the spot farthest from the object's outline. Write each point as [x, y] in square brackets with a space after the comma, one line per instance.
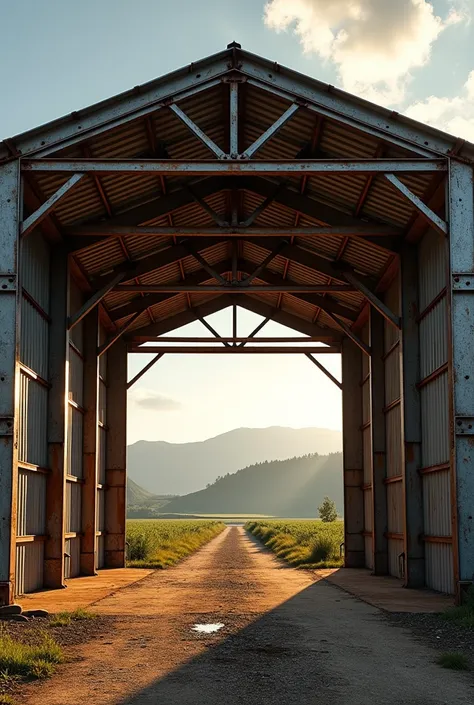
[236, 183]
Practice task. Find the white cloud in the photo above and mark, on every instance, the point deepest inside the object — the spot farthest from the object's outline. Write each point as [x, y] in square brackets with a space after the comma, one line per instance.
[375, 44]
[148, 399]
[454, 115]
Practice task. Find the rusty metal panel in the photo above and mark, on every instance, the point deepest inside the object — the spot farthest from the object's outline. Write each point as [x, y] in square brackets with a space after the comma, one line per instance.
[34, 268]
[100, 515]
[395, 548]
[76, 377]
[75, 442]
[32, 420]
[100, 552]
[31, 503]
[102, 407]
[72, 564]
[437, 503]
[73, 506]
[395, 507]
[34, 339]
[432, 264]
[368, 510]
[439, 567]
[393, 434]
[367, 445]
[101, 455]
[435, 421]
[434, 339]
[392, 376]
[29, 567]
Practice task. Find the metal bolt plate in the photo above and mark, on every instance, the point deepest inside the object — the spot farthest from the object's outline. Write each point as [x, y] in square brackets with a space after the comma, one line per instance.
[465, 425]
[7, 282]
[463, 282]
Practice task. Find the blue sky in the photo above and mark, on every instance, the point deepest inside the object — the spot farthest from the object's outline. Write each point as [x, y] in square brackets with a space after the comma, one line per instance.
[57, 56]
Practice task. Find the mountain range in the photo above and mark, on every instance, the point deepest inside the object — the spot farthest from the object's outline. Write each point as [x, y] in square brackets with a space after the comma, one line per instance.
[163, 468]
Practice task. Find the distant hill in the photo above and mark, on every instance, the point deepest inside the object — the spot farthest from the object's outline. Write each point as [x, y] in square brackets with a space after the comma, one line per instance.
[136, 495]
[179, 468]
[292, 488]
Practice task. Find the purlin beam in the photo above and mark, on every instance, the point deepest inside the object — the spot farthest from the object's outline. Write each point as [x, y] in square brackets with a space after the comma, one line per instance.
[324, 370]
[235, 288]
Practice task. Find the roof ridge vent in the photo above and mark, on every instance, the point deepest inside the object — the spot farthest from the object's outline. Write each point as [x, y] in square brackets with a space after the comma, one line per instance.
[234, 45]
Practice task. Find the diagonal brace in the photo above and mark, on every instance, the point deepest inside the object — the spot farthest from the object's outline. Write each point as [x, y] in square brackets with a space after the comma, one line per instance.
[108, 344]
[211, 329]
[210, 144]
[257, 329]
[210, 211]
[205, 265]
[263, 206]
[373, 299]
[274, 253]
[350, 334]
[39, 215]
[145, 369]
[438, 223]
[93, 301]
[324, 370]
[272, 130]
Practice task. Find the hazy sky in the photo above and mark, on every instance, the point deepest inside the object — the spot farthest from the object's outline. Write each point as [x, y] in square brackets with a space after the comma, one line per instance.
[58, 55]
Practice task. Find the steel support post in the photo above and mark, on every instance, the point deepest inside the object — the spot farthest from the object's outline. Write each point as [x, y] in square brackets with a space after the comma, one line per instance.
[354, 552]
[57, 420]
[377, 403]
[9, 373]
[461, 225]
[89, 488]
[411, 421]
[116, 466]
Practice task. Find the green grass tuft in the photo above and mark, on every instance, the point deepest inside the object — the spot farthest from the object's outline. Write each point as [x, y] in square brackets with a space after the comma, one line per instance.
[160, 543]
[309, 544]
[462, 616]
[28, 661]
[6, 700]
[453, 660]
[63, 619]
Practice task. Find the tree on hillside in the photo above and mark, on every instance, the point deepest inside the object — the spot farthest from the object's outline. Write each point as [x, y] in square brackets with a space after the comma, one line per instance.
[327, 510]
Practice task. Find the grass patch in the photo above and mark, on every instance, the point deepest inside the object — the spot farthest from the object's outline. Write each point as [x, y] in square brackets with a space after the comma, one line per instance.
[20, 661]
[6, 700]
[309, 544]
[453, 660]
[159, 543]
[462, 616]
[63, 619]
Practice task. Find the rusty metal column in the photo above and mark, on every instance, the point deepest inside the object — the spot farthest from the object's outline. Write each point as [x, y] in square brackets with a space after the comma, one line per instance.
[57, 419]
[10, 208]
[116, 465]
[411, 421]
[461, 227]
[379, 470]
[89, 489]
[352, 456]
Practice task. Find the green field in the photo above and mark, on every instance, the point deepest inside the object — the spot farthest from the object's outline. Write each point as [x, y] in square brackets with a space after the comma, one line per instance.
[309, 544]
[155, 543]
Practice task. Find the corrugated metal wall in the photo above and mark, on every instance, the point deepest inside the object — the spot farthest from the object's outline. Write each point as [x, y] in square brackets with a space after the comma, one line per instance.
[101, 453]
[32, 438]
[75, 438]
[434, 396]
[393, 425]
[367, 449]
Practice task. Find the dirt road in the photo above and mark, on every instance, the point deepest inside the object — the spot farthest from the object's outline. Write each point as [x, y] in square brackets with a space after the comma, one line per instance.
[286, 640]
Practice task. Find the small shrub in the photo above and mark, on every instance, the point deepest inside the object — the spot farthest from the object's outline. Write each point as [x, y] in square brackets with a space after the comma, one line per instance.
[322, 550]
[453, 660]
[327, 510]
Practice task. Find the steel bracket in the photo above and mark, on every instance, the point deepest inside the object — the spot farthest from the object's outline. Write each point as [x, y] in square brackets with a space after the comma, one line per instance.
[6, 426]
[464, 425]
[463, 281]
[7, 282]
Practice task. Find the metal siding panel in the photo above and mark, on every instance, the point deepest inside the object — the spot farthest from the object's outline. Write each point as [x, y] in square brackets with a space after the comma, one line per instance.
[395, 507]
[435, 421]
[73, 507]
[434, 339]
[73, 562]
[31, 503]
[102, 455]
[367, 445]
[75, 442]
[34, 339]
[439, 567]
[369, 563]
[102, 410]
[32, 422]
[100, 516]
[368, 512]
[395, 548]
[393, 431]
[76, 377]
[34, 268]
[100, 552]
[433, 267]
[76, 299]
[437, 503]
[392, 377]
[29, 567]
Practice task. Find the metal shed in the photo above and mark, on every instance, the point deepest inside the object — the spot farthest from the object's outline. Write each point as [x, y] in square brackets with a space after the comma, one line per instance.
[237, 182]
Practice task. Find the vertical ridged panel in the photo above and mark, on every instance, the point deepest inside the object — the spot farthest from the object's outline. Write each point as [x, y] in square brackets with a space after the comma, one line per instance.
[100, 552]
[437, 503]
[32, 422]
[439, 567]
[76, 377]
[367, 445]
[392, 300]
[73, 562]
[102, 403]
[369, 558]
[76, 299]
[73, 507]
[31, 503]
[395, 548]
[34, 268]
[432, 264]
[393, 431]
[435, 421]
[395, 507]
[100, 517]
[368, 521]
[75, 442]
[392, 376]
[29, 567]
[366, 401]
[434, 339]
[34, 339]
[101, 455]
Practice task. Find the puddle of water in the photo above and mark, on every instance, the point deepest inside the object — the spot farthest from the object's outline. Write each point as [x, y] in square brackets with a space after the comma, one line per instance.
[207, 628]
